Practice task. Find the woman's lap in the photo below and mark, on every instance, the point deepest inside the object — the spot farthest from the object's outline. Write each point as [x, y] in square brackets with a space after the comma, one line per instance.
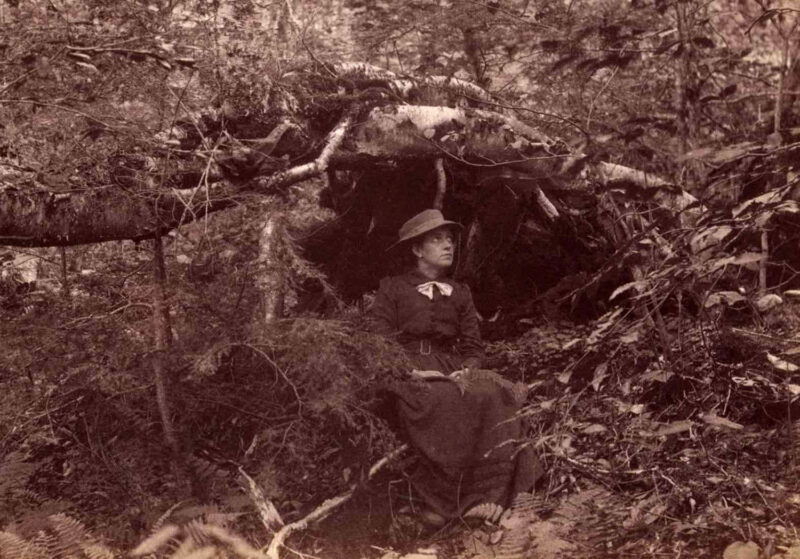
[465, 433]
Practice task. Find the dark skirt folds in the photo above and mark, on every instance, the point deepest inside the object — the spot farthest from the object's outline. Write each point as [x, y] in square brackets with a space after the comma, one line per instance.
[467, 436]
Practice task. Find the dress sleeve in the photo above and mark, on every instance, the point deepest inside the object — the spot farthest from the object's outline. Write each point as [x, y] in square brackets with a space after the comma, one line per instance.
[383, 312]
[470, 344]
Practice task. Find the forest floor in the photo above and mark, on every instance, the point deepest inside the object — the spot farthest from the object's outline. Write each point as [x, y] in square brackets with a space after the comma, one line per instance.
[688, 452]
[642, 460]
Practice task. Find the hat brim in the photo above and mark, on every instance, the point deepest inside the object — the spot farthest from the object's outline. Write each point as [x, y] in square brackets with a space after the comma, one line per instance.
[425, 228]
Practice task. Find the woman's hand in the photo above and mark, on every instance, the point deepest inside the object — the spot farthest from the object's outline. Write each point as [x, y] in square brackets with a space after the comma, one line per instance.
[426, 374]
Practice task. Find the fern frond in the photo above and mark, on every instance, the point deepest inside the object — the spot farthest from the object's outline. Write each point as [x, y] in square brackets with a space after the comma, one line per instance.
[163, 518]
[186, 548]
[234, 542]
[222, 519]
[156, 540]
[194, 529]
[526, 504]
[490, 512]
[47, 540]
[15, 472]
[515, 523]
[70, 535]
[97, 551]
[202, 553]
[13, 546]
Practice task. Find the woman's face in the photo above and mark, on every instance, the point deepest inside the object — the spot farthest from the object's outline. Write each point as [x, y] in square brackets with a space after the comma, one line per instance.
[435, 251]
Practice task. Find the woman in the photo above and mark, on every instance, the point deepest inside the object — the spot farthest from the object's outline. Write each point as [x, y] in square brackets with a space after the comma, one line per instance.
[460, 418]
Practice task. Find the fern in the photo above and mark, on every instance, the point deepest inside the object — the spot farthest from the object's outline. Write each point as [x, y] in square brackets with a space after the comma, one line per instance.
[196, 540]
[489, 512]
[13, 546]
[202, 553]
[63, 538]
[161, 522]
[158, 539]
[96, 551]
[515, 523]
[69, 534]
[15, 472]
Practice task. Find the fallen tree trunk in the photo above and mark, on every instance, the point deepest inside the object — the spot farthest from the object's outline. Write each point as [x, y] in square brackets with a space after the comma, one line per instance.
[467, 131]
[44, 218]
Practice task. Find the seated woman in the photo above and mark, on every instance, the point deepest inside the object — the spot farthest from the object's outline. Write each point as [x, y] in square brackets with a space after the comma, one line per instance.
[459, 417]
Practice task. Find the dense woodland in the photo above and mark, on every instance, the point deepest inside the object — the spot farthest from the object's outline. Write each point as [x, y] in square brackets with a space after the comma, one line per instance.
[196, 197]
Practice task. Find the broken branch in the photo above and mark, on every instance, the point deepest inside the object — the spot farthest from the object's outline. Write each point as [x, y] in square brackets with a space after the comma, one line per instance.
[327, 507]
[313, 168]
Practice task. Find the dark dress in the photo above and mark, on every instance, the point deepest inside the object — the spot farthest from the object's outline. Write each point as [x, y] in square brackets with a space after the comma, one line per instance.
[463, 430]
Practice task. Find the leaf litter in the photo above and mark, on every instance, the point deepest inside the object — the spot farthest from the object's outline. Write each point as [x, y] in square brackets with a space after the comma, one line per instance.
[698, 459]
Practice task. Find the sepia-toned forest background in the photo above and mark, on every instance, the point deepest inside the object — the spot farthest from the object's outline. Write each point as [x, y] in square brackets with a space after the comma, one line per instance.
[196, 198]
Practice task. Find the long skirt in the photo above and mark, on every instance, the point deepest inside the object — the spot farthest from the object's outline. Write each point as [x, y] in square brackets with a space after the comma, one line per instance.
[470, 444]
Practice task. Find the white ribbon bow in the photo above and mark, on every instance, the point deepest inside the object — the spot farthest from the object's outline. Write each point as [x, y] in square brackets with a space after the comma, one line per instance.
[427, 288]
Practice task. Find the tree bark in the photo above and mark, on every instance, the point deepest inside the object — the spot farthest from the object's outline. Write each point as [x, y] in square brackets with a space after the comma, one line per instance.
[682, 79]
[441, 185]
[271, 279]
[162, 333]
[64, 274]
[46, 218]
[791, 86]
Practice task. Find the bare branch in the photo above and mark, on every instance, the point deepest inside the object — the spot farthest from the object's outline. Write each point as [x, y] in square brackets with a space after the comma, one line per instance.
[326, 508]
[550, 211]
[313, 168]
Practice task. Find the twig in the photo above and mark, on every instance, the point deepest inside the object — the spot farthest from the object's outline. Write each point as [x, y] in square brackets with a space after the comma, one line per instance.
[94, 316]
[273, 421]
[269, 360]
[313, 168]
[545, 204]
[64, 276]
[322, 511]
[760, 335]
[57, 106]
[30, 420]
[16, 80]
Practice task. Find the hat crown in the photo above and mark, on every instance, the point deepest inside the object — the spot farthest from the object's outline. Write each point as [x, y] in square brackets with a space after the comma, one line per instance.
[424, 221]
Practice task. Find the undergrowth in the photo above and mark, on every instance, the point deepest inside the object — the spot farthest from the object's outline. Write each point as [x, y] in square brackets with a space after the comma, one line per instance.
[693, 450]
[298, 406]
